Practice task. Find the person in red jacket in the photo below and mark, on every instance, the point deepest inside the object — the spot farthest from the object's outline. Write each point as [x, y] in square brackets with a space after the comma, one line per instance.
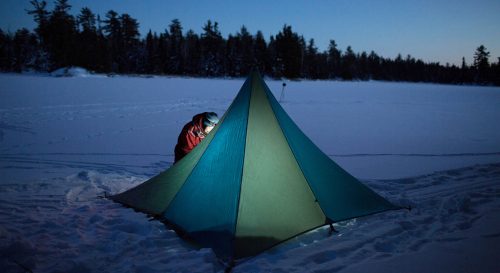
[194, 132]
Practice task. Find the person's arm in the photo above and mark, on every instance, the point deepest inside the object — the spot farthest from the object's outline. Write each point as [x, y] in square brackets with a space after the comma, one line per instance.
[190, 141]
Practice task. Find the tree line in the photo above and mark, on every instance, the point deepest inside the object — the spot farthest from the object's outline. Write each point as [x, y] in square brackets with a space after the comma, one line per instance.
[113, 44]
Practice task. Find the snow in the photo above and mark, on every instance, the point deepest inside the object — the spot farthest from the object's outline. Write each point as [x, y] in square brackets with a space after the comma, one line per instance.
[72, 71]
[64, 141]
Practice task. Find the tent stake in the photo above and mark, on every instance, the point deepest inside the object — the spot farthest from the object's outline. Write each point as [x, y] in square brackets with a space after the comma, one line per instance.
[230, 266]
[282, 96]
[332, 229]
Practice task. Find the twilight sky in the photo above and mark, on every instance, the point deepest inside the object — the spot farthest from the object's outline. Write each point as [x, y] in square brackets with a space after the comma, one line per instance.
[431, 30]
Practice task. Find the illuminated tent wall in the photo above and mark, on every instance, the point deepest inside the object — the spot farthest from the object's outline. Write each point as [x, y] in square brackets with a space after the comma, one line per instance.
[255, 181]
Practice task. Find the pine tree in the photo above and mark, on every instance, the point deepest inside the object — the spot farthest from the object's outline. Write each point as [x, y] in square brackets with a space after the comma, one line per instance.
[374, 69]
[192, 49]
[232, 61]
[24, 46]
[348, 70]
[101, 57]
[261, 53]
[152, 56]
[481, 64]
[113, 30]
[61, 35]
[176, 44]
[130, 58]
[333, 60]
[41, 17]
[289, 52]
[246, 51]
[322, 60]
[114, 45]
[239, 54]
[5, 47]
[496, 72]
[88, 40]
[212, 48]
[164, 51]
[311, 69]
[464, 72]
[87, 21]
[398, 68]
[363, 67]
[276, 66]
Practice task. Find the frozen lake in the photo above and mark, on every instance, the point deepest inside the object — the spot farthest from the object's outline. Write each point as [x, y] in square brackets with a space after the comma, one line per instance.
[372, 129]
[65, 141]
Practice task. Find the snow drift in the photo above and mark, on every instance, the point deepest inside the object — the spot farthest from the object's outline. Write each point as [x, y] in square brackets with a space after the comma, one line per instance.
[72, 71]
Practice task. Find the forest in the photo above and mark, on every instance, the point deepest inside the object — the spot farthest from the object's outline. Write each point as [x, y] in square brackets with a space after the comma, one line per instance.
[114, 45]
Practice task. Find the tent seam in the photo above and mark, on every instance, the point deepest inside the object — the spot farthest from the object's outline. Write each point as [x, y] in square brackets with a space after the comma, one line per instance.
[294, 156]
[194, 167]
[242, 169]
[187, 178]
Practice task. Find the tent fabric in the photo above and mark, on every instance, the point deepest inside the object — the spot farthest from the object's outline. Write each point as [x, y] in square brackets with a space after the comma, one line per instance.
[340, 194]
[275, 203]
[256, 180]
[207, 203]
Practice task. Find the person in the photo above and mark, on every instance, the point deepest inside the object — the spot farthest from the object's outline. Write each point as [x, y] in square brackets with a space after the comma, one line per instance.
[194, 132]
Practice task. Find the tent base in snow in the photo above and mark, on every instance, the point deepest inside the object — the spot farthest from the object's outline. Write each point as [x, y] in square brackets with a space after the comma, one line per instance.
[255, 181]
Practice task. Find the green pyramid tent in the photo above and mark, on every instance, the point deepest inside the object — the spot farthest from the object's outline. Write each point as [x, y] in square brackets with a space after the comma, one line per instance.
[255, 181]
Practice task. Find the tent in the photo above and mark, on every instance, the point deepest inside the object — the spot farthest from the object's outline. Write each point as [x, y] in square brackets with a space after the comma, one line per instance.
[256, 180]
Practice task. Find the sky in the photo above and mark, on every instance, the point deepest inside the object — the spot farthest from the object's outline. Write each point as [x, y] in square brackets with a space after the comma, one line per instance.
[432, 30]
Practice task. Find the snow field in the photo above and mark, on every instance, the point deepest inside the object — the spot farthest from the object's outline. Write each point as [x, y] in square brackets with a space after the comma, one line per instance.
[65, 141]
